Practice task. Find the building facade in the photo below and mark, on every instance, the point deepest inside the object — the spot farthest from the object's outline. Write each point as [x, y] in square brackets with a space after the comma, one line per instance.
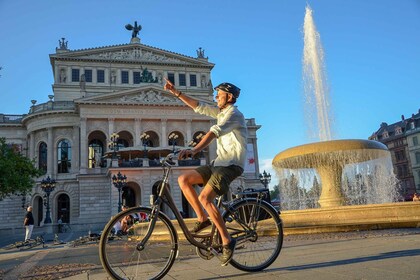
[98, 93]
[402, 139]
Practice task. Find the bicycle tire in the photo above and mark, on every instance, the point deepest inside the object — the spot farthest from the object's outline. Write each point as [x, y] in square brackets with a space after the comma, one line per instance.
[254, 252]
[121, 258]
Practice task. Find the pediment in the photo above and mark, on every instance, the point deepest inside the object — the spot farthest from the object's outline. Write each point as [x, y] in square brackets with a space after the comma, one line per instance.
[131, 53]
[149, 95]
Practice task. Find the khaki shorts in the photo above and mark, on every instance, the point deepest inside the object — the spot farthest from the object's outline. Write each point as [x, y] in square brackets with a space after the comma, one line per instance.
[219, 177]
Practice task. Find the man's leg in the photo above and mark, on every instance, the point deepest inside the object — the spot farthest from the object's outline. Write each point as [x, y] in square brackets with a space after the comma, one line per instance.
[26, 233]
[206, 198]
[186, 182]
[31, 227]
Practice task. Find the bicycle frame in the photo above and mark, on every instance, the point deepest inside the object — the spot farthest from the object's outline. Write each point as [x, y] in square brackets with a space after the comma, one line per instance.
[164, 196]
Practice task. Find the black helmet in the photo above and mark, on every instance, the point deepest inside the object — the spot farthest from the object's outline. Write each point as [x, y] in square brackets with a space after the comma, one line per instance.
[230, 88]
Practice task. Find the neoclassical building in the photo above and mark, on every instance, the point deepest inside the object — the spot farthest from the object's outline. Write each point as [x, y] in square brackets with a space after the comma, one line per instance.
[99, 92]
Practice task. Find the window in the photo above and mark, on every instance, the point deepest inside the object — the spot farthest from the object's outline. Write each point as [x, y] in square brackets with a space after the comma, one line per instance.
[122, 143]
[100, 76]
[171, 77]
[88, 75]
[398, 130]
[124, 77]
[96, 148]
[193, 80]
[385, 134]
[75, 75]
[64, 156]
[415, 141]
[136, 77]
[63, 208]
[399, 155]
[417, 157]
[42, 155]
[182, 80]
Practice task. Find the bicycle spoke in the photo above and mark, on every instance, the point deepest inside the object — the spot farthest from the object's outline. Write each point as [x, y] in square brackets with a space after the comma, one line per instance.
[123, 260]
[259, 232]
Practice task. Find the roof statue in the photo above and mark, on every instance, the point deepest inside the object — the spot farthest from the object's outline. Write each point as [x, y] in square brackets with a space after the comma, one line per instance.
[136, 28]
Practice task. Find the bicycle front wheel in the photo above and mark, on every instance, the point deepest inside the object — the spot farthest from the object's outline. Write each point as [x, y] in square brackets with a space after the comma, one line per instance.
[120, 255]
[259, 233]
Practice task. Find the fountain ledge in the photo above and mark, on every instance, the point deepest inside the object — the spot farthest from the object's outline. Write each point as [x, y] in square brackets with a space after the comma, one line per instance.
[352, 218]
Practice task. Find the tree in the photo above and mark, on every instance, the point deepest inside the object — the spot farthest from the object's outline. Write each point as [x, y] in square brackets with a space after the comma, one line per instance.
[275, 193]
[17, 172]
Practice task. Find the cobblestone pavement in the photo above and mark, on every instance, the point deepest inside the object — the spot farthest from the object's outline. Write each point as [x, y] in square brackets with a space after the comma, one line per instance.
[350, 255]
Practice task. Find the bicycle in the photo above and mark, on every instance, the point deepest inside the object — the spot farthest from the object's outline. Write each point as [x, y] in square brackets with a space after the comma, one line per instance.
[149, 249]
[87, 239]
[28, 244]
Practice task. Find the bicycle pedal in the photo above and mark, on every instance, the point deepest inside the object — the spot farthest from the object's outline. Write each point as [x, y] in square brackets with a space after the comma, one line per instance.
[214, 252]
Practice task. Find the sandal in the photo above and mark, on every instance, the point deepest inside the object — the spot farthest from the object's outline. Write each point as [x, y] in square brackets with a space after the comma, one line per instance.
[199, 226]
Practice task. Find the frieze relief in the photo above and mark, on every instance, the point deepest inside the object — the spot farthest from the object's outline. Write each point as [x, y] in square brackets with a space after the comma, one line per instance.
[134, 54]
[149, 97]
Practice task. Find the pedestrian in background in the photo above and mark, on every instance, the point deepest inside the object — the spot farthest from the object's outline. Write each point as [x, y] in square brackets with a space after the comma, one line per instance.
[28, 223]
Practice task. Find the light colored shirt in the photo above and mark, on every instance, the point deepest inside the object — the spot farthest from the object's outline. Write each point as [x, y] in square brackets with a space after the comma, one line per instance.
[231, 133]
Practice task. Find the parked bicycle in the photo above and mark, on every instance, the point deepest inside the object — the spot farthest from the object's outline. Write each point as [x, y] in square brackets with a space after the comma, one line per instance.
[28, 244]
[86, 239]
[149, 248]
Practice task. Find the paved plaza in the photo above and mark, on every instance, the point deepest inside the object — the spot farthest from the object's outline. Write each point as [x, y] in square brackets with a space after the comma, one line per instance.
[380, 254]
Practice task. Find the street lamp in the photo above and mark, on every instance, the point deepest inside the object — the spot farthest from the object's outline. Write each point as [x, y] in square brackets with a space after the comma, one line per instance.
[265, 179]
[48, 186]
[119, 182]
[144, 137]
[113, 145]
[172, 140]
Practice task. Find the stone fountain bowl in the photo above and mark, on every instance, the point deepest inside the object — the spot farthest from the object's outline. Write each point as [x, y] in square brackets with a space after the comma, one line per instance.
[333, 152]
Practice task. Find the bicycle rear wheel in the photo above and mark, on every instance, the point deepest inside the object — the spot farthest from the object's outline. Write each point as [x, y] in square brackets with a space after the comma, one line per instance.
[121, 258]
[259, 233]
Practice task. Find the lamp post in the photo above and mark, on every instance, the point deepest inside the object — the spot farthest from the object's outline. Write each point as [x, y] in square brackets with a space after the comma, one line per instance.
[119, 182]
[144, 137]
[172, 139]
[265, 179]
[48, 186]
[113, 144]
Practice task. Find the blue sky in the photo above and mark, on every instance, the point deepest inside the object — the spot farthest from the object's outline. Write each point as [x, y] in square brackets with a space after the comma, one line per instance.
[371, 50]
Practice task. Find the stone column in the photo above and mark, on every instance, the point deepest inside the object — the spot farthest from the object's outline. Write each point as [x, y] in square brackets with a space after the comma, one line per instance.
[76, 149]
[32, 146]
[164, 137]
[137, 131]
[83, 146]
[189, 130]
[50, 152]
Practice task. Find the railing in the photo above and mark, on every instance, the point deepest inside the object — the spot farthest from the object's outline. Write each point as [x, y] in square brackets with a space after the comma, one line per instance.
[152, 163]
[11, 118]
[50, 106]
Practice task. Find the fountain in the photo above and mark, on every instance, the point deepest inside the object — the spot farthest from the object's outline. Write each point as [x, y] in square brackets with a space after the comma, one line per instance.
[355, 173]
[329, 158]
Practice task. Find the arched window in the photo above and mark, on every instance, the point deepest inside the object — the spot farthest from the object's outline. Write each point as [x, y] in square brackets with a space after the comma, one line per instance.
[122, 143]
[64, 156]
[96, 150]
[42, 156]
[63, 208]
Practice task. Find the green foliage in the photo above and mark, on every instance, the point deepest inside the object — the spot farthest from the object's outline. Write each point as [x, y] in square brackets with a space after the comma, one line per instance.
[274, 194]
[17, 172]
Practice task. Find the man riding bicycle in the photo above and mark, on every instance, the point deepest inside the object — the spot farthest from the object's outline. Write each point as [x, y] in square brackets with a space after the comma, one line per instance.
[231, 134]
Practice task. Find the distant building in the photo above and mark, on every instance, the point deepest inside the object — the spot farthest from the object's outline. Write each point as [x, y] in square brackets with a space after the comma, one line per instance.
[402, 139]
[100, 91]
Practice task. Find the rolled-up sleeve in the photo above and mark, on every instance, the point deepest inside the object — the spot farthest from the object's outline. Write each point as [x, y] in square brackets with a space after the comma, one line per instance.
[228, 124]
